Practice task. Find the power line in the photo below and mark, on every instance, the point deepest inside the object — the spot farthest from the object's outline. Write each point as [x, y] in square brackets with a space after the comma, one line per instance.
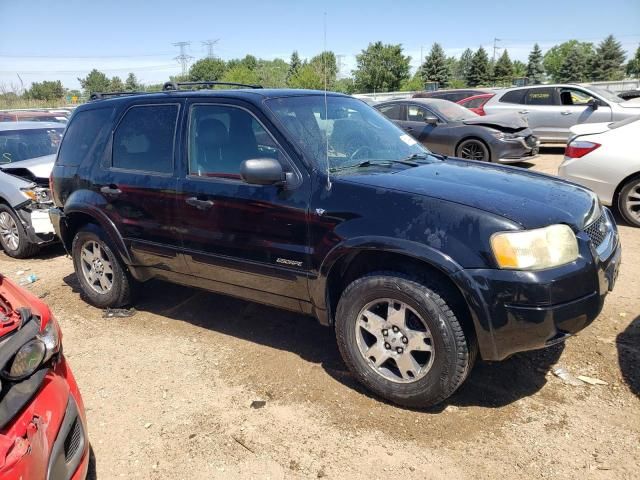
[210, 44]
[183, 58]
[119, 69]
[3, 55]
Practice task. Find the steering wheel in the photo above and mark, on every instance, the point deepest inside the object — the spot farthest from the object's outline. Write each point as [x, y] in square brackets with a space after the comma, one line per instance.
[359, 150]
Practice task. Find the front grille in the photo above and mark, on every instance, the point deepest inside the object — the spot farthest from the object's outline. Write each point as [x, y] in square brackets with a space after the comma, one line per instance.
[598, 230]
[73, 440]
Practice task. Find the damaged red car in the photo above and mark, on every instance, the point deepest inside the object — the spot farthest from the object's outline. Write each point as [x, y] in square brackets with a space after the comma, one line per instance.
[43, 431]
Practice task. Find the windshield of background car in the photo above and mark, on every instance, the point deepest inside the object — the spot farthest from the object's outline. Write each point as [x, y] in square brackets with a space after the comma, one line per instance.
[606, 94]
[345, 131]
[18, 145]
[451, 112]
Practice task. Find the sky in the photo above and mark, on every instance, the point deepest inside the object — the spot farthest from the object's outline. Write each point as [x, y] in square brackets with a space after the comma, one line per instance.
[65, 39]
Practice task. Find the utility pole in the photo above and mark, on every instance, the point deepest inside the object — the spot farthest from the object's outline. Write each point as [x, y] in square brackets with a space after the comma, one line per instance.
[339, 61]
[495, 48]
[210, 44]
[183, 58]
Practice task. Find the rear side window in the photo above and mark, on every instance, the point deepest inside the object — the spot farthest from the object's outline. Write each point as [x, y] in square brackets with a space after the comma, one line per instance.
[392, 112]
[475, 102]
[514, 96]
[540, 96]
[85, 137]
[144, 139]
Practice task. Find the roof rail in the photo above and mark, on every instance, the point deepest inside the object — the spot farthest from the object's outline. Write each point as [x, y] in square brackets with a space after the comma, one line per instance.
[170, 86]
[101, 95]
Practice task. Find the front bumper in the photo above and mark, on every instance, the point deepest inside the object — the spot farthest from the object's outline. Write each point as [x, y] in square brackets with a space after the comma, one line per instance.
[37, 225]
[518, 149]
[50, 433]
[516, 311]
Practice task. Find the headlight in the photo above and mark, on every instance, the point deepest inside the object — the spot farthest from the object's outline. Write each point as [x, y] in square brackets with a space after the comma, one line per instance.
[503, 136]
[37, 194]
[535, 249]
[34, 353]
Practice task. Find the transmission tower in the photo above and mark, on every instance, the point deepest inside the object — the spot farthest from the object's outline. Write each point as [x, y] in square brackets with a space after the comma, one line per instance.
[183, 58]
[340, 65]
[210, 44]
[495, 48]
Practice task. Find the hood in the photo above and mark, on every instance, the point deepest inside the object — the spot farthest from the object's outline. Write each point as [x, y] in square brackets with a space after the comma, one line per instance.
[34, 169]
[633, 103]
[530, 199]
[590, 128]
[508, 122]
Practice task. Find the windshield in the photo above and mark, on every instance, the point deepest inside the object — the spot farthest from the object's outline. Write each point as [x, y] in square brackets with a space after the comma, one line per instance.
[606, 94]
[451, 112]
[347, 131]
[18, 145]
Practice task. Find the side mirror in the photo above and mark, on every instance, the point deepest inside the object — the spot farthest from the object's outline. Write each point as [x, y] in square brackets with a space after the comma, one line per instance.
[431, 120]
[262, 171]
[593, 103]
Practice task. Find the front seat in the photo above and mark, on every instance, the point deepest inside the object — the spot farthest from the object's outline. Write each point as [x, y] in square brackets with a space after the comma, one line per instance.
[566, 98]
[211, 142]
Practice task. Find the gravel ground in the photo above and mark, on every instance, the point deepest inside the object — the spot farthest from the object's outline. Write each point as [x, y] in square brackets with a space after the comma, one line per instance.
[169, 391]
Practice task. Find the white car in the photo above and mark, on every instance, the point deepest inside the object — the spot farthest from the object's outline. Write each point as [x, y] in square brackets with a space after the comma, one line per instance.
[604, 157]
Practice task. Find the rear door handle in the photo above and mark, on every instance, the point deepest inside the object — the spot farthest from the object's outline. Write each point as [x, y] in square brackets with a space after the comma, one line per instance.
[111, 190]
[199, 204]
[566, 113]
[524, 111]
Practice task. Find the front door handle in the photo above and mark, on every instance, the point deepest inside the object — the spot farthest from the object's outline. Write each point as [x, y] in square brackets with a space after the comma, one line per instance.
[111, 190]
[566, 113]
[199, 204]
[408, 129]
[524, 112]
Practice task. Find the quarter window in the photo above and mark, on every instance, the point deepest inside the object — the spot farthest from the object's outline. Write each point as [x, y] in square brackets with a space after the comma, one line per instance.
[85, 136]
[514, 96]
[144, 139]
[540, 96]
[222, 137]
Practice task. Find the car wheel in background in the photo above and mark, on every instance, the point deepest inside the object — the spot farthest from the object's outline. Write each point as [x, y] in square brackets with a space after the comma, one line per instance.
[402, 340]
[629, 201]
[13, 236]
[473, 149]
[102, 276]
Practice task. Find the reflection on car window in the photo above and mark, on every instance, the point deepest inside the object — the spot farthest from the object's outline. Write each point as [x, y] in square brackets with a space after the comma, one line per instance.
[222, 137]
[539, 96]
[571, 96]
[393, 112]
[344, 131]
[144, 139]
[17, 145]
[417, 114]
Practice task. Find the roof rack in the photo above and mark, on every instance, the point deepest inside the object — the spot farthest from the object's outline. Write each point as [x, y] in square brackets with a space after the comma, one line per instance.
[101, 95]
[171, 86]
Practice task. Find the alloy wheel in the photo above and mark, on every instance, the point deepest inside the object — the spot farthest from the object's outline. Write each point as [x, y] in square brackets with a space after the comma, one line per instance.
[632, 201]
[9, 231]
[473, 150]
[96, 267]
[394, 340]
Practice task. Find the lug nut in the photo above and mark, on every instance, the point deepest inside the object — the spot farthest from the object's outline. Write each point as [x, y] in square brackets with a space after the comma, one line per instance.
[395, 329]
[405, 340]
[399, 350]
[387, 346]
[385, 332]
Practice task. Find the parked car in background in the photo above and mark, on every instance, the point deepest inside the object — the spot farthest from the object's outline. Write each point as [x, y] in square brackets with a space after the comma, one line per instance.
[453, 95]
[476, 102]
[629, 94]
[450, 129]
[553, 109]
[604, 157]
[26, 160]
[43, 430]
[32, 116]
[315, 202]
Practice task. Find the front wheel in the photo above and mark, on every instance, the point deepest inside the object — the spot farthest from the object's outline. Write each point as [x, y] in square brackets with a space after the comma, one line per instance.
[473, 149]
[402, 340]
[13, 236]
[629, 202]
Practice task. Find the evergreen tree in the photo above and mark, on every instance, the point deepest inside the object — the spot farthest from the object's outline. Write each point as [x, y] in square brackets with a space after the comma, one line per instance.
[574, 67]
[633, 67]
[479, 71]
[95, 81]
[116, 85]
[435, 67]
[131, 83]
[294, 65]
[535, 69]
[519, 69]
[464, 65]
[503, 69]
[609, 60]
[557, 55]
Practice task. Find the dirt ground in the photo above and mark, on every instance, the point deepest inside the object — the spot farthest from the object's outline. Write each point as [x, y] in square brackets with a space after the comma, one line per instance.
[168, 392]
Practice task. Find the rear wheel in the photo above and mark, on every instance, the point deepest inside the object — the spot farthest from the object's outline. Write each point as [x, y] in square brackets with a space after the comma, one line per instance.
[473, 149]
[101, 273]
[402, 340]
[13, 236]
[629, 201]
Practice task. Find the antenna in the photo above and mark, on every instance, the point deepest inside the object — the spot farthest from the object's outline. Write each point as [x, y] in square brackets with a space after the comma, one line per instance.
[326, 108]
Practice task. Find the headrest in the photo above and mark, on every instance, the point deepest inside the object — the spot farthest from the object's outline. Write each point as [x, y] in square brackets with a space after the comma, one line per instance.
[212, 131]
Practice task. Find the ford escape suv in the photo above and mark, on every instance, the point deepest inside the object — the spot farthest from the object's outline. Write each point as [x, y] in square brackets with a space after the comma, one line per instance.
[317, 203]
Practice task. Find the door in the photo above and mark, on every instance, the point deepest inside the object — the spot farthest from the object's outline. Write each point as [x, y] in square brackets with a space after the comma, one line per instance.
[139, 182]
[578, 106]
[250, 239]
[543, 113]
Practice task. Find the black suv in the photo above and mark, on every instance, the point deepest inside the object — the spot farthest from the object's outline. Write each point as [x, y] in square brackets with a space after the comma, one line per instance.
[317, 203]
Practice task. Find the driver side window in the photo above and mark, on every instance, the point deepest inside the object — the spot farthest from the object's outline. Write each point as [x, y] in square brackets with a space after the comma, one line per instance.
[417, 114]
[572, 96]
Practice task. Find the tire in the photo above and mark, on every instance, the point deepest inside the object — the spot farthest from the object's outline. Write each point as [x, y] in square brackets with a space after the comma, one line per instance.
[630, 192]
[442, 370]
[13, 236]
[112, 285]
[473, 149]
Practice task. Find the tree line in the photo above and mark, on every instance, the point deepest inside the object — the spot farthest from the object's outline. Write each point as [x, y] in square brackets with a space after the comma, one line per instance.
[384, 67]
